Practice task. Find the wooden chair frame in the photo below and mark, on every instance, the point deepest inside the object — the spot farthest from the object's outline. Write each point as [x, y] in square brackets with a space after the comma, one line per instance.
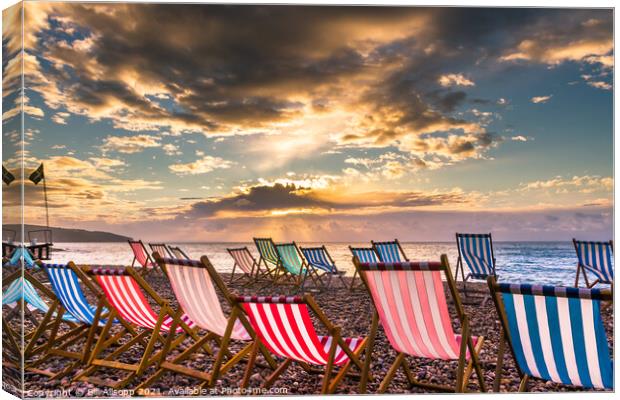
[396, 242]
[582, 269]
[607, 295]
[465, 367]
[155, 248]
[321, 273]
[459, 265]
[328, 385]
[252, 275]
[175, 251]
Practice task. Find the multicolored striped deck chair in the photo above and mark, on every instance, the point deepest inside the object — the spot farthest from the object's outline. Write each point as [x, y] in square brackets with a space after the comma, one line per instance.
[285, 327]
[475, 250]
[323, 264]
[67, 282]
[295, 269]
[554, 333]
[125, 290]
[178, 253]
[268, 256]
[141, 255]
[246, 263]
[411, 304]
[389, 251]
[160, 248]
[596, 258]
[192, 282]
[363, 254]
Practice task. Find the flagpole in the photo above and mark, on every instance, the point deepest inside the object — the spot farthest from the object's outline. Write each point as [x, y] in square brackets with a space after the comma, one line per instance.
[47, 214]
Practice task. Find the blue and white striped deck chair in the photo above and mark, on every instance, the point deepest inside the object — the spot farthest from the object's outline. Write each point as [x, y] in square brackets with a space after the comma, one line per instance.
[323, 264]
[554, 333]
[364, 255]
[390, 252]
[268, 255]
[596, 258]
[475, 251]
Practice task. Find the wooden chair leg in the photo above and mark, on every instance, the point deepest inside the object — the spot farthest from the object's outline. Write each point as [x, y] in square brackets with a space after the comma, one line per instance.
[250, 366]
[275, 374]
[391, 372]
[499, 364]
[523, 384]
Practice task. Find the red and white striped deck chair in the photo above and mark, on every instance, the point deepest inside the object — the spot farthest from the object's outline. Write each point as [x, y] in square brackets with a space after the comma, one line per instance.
[410, 302]
[125, 289]
[160, 248]
[141, 255]
[283, 324]
[192, 283]
[246, 263]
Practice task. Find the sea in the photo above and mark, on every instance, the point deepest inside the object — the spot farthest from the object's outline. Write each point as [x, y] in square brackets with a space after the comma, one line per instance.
[552, 263]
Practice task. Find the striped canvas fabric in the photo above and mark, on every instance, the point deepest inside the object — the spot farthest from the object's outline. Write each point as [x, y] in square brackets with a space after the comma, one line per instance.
[365, 255]
[66, 286]
[22, 289]
[596, 257]
[16, 258]
[140, 254]
[177, 253]
[196, 294]
[243, 258]
[125, 295]
[318, 259]
[411, 303]
[159, 248]
[284, 326]
[388, 252]
[289, 256]
[557, 334]
[267, 250]
[476, 252]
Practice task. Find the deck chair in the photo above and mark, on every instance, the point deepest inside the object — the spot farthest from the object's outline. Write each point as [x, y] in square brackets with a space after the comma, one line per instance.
[67, 282]
[554, 334]
[596, 258]
[323, 264]
[389, 251]
[363, 254]
[125, 290]
[193, 285]
[160, 248]
[141, 255]
[476, 251]
[294, 268]
[411, 304]
[268, 256]
[284, 326]
[15, 258]
[246, 263]
[178, 253]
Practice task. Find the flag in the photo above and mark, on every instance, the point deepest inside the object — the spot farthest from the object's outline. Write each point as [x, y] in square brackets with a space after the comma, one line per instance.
[7, 176]
[37, 175]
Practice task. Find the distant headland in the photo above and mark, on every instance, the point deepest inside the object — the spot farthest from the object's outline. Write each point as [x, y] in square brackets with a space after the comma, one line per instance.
[69, 234]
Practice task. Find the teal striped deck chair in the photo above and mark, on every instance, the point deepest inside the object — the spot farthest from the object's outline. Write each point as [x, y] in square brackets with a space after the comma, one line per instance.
[554, 334]
[476, 251]
[16, 257]
[389, 252]
[595, 258]
[323, 264]
[363, 255]
[268, 256]
[295, 268]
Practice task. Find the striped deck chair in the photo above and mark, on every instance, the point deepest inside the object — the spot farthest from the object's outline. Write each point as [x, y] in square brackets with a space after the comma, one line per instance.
[284, 326]
[389, 251]
[192, 282]
[475, 250]
[246, 263]
[160, 248]
[596, 258]
[268, 256]
[178, 253]
[141, 255]
[363, 254]
[554, 333]
[411, 304]
[125, 290]
[323, 264]
[295, 269]
[18, 254]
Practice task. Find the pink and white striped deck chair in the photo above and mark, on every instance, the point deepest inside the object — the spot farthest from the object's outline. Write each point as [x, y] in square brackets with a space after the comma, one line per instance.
[125, 289]
[410, 303]
[141, 255]
[283, 324]
[246, 262]
[192, 284]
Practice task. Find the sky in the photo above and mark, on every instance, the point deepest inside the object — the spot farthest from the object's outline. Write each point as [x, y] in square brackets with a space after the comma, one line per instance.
[220, 123]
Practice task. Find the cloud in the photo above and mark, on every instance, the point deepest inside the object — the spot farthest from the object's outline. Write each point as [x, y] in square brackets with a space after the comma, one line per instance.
[520, 138]
[60, 118]
[454, 80]
[130, 144]
[202, 166]
[171, 149]
[541, 99]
